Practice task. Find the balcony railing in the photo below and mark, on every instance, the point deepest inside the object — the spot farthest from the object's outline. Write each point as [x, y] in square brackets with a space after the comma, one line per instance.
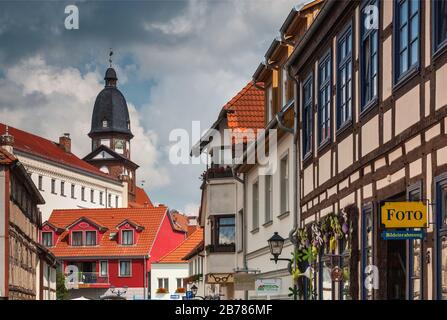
[87, 278]
[217, 172]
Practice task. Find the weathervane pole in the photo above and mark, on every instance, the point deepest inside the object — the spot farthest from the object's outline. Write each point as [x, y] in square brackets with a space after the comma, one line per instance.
[110, 57]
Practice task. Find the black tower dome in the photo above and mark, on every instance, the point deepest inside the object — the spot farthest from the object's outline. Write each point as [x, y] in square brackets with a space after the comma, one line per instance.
[110, 113]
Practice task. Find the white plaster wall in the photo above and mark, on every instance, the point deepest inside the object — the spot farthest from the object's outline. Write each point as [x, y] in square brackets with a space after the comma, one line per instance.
[56, 201]
[172, 271]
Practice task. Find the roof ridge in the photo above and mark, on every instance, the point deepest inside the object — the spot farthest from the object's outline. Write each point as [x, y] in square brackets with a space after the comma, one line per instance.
[239, 95]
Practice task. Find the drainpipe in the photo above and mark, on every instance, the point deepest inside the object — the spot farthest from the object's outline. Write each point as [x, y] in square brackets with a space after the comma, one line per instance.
[244, 224]
[296, 166]
[145, 278]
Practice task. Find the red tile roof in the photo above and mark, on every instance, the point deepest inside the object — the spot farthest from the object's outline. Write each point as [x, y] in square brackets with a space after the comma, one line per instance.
[148, 218]
[6, 157]
[180, 221]
[142, 200]
[49, 150]
[176, 255]
[246, 109]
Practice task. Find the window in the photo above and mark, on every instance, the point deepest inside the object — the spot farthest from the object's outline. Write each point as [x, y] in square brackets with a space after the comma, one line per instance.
[116, 201]
[53, 186]
[406, 37]
[103, 268]
[284, 86]
[369, 60]
[125, 268]
[284, 171]
[163, 283]
[105, 142]
[92, 196]
[367, 247]
[83, 193]
[255, 198]
[90, 238]
[63, 188]
[73, 191]
[101, 194]
[440, 24]
[344, 80]
[110, 200]
[307, 116]
[268, 198]
[47, 239]
[441, 240]
[76, 238]
[40, 183]
[415, 255]
[269, 97]
[127, 237]
[105, 124]
[324, 101]
[226, 232]
[179, 282]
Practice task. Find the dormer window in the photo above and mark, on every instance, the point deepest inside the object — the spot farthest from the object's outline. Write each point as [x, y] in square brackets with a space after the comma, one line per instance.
[90, 238]
[105, 123]
[47, 239]
[76, 238]
[127, 237]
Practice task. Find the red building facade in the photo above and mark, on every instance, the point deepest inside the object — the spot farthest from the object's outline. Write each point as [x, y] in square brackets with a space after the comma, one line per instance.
[106, 250]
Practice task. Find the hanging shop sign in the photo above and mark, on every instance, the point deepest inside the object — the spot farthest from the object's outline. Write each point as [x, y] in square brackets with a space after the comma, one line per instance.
[402, 234]
[268, 287]
[244, 281]
[404, 215]
[337, 274]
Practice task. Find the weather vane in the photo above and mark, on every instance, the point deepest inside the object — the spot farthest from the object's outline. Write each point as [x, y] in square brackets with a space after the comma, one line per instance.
[110, 57]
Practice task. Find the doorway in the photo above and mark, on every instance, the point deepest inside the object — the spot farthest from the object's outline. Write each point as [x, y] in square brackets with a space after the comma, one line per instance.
[397, 271]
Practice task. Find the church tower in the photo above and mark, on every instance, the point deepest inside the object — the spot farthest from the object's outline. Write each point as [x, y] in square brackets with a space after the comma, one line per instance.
[111, 134]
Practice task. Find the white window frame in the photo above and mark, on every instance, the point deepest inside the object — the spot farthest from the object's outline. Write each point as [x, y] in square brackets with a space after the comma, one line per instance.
[101, 269]
[133, 237]
[96, 238]
[119, 269]
[52, 238]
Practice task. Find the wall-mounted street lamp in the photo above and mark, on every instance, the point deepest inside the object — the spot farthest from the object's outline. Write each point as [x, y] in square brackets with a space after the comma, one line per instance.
[194, 291]
[276, 243]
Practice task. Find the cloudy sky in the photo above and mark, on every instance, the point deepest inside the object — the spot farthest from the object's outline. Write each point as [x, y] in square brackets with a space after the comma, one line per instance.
[177, 62]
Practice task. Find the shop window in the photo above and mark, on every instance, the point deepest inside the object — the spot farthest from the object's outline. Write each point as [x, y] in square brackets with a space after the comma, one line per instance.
[324, 101]
[367, 247]
[369, 60]
[406, 36]
[344, 79]
[415, 290]
[441, 222]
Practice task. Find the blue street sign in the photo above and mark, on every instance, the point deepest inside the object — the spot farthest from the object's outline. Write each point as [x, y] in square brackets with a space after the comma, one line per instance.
[402, 234]
[175, 296]
[189, 295]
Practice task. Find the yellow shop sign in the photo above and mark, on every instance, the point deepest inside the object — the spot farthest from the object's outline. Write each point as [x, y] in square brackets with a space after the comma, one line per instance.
[404, 215]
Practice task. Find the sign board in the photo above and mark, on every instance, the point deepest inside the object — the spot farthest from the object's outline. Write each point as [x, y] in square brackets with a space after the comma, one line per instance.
[402, 234]
[189, 295]
[337, 274]
[244, 281]
[219, 278]
[175, 297]
[404, 215]
[268, 287]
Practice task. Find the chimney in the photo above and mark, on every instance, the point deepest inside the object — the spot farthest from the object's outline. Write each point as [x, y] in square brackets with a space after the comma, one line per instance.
[65, 142]
[7, 141]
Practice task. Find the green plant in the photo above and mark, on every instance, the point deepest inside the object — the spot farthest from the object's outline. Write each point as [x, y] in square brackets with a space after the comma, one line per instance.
[61, 290]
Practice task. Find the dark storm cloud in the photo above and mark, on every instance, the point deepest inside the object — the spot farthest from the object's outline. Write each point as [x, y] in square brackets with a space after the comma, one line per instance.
[30, 27]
